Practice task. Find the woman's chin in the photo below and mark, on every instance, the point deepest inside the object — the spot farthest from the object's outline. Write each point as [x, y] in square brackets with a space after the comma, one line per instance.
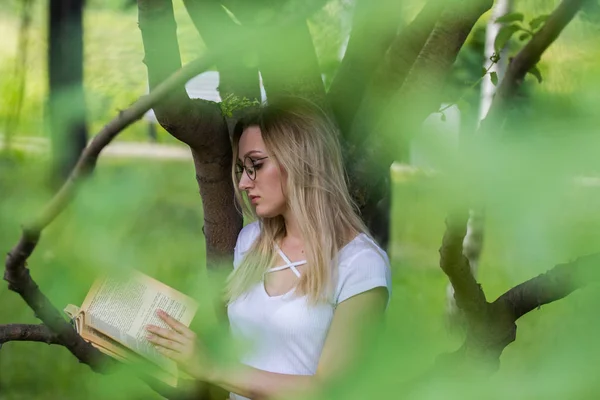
[263, 212]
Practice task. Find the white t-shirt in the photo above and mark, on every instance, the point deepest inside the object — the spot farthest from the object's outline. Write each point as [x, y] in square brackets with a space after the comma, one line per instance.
[285, 334]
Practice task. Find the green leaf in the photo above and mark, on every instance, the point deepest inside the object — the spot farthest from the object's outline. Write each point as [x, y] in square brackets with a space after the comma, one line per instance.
[524, 36]
[536, 72]
[504, 35]
[510, 17]
[538, 21]
[483, 71]
[494, 78]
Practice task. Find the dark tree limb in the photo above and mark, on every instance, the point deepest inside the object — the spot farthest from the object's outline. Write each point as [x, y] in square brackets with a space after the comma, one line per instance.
[286, 55]
[19, 280]
[490, 327]
[418, 97]
[217, 29]
[374, 27]
[289, 66]
[394, 68]
[554, 285]
[27, 333]
[528, 57]
[468, 293]
[65, 78]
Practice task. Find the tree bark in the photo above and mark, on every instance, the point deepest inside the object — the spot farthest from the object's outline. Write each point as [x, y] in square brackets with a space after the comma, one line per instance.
[66, 104]
[374, 27]
[27, 333]
[200, 125]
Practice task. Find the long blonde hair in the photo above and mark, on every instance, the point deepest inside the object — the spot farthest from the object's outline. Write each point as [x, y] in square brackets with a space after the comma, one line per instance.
[301, 139]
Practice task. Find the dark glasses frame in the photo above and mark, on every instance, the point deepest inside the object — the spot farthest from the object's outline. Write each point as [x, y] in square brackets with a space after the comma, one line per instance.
[250, 170]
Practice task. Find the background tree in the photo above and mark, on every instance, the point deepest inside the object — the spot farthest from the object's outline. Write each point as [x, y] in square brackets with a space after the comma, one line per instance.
[66, 103]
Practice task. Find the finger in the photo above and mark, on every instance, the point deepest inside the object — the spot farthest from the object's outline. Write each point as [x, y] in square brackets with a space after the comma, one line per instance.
[166, 333]
[173, 355]
[165, 343]
[176, 325]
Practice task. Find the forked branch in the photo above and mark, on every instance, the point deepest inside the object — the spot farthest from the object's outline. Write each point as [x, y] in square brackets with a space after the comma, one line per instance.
[527, 58]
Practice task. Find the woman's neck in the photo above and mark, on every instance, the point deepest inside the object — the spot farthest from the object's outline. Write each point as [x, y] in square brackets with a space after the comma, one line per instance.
[292, 228]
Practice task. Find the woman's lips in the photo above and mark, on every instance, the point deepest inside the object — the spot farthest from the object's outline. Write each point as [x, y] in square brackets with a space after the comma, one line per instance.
[254, 199]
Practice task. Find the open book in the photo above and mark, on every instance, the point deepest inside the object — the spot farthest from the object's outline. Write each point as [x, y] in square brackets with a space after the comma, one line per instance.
[115, 313]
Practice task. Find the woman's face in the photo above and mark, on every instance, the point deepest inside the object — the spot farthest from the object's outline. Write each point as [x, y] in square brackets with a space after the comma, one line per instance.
[265, 191]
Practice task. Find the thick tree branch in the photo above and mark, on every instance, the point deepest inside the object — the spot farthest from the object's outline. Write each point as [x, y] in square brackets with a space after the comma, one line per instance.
[289, 66]
[286, 55]
[217, 29]
[554, 285]
[467, 292]
[528, 57]
[492, 326]
[27, 333]
[394, 68]
[421, 92]
[374, 27]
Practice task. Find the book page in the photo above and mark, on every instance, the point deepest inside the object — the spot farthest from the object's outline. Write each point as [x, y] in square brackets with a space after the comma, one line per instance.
[114, 349]
[122, 307]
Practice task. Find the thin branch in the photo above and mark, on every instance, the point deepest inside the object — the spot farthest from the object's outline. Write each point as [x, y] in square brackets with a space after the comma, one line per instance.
[528, 57]
[90, 155]
[374, 27]
[553, 285]
[467, 292]
[17, 274]
[27, 333]
[19, 280]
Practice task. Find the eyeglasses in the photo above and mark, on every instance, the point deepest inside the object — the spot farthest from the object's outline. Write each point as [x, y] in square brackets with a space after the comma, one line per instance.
[250, 166]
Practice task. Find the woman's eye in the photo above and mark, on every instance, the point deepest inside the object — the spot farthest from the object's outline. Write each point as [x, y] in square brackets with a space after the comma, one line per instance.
[257, 166]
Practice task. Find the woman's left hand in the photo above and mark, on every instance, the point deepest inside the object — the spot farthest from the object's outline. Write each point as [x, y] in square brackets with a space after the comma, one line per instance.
[180, 344]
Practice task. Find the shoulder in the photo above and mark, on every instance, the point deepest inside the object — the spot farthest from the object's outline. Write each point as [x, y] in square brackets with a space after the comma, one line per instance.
[246, 237]
[362, 265]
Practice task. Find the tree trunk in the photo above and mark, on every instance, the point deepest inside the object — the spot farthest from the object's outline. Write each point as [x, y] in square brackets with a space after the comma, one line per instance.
[66, 103]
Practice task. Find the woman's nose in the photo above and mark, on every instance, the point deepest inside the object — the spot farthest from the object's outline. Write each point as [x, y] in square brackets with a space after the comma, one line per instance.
[245, 182]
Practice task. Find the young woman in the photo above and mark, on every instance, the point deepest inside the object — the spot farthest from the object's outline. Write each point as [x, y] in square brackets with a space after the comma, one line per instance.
[307, 277]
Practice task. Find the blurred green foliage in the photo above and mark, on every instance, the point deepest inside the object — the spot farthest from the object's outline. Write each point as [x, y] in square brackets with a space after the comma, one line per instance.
[539, 184]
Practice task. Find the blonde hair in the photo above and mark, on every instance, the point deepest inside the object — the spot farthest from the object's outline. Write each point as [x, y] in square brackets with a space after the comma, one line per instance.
[301, 139]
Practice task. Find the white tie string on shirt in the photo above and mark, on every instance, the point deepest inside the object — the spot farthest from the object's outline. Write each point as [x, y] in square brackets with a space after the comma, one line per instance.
[289, 264]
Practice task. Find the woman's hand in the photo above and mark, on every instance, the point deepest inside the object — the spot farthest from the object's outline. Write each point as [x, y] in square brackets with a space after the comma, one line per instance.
[180, 345]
